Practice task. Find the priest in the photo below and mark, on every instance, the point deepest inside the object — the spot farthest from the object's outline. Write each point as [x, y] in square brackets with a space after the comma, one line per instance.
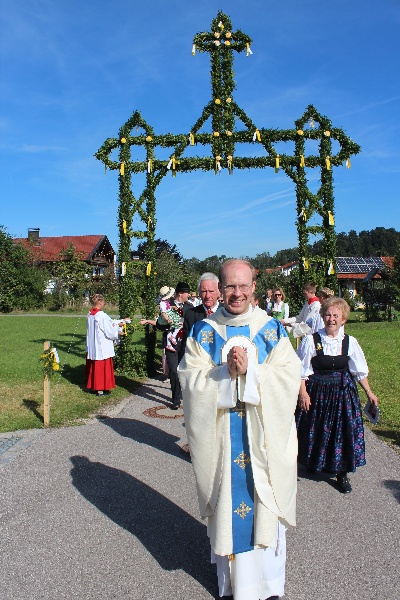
[240, 379]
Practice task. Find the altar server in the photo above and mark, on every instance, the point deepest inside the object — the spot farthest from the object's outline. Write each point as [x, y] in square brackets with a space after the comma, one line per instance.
[101, 333]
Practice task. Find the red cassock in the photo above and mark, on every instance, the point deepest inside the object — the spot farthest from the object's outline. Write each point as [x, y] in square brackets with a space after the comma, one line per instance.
[100, 374]
[101, 333]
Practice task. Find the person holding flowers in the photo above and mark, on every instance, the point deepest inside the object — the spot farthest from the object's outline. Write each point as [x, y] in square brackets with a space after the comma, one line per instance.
[101, 333]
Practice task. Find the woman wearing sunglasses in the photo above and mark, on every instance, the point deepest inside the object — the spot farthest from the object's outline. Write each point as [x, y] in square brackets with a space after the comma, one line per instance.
[280, 308]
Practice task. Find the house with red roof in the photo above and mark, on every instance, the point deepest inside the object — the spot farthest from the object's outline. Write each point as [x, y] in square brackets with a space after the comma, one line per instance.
[95, 250]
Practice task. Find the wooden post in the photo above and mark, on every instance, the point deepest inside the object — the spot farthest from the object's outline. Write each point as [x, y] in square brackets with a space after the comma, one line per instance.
[46, 390]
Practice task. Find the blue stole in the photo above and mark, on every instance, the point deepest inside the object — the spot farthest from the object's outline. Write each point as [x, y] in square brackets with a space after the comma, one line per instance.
[242, 480]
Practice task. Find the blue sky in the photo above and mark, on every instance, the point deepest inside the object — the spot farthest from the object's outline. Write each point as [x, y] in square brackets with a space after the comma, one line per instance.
[73, 72]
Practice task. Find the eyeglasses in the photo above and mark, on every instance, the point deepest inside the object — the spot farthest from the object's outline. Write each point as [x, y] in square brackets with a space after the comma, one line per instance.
[277, 295]
[231, 288]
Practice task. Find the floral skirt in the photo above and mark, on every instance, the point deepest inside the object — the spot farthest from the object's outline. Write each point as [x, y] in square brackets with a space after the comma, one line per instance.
[331, 433]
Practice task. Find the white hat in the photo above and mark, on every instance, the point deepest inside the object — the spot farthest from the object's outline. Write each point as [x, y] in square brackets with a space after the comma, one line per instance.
[166, 292]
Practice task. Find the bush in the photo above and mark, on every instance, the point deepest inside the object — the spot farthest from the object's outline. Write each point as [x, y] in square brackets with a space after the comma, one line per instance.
[22, 284]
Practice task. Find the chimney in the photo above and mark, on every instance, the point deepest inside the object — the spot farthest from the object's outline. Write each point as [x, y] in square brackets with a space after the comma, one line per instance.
[33, 234]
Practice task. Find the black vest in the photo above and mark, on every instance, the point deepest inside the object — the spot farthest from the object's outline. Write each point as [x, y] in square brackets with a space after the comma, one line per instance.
[330, 364]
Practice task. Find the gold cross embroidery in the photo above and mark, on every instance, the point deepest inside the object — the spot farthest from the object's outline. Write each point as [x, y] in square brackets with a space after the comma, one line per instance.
[240, 409]
[270, 336]
[242, 510]
[207, 337]
[242, 460]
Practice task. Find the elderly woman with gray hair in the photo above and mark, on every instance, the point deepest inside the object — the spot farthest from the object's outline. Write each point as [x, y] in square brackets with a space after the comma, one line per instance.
[329, 421]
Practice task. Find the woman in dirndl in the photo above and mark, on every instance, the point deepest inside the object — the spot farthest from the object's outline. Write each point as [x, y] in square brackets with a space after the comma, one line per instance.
[280, 308]
[329, 420]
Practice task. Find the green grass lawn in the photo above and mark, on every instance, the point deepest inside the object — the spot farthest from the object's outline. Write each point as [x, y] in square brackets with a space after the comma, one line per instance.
[381, 345]
[21, 375]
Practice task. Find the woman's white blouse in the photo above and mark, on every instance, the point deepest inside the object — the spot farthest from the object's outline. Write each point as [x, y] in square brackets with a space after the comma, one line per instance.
[332, 346]
[278, 307]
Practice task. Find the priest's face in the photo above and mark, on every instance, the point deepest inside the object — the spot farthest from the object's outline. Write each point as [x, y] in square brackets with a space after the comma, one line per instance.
[209, 293]
[237, 287]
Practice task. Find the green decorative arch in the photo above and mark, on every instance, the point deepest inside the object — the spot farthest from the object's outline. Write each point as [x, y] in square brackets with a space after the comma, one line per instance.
[230, 125]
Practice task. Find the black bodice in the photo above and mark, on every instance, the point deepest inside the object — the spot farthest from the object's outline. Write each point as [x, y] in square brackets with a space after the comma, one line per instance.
[322, 363]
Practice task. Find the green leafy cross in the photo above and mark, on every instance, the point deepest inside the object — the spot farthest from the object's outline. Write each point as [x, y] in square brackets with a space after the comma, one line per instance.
[229, 125]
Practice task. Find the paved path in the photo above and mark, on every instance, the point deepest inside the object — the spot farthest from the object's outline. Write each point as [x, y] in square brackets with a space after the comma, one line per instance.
[108, 510]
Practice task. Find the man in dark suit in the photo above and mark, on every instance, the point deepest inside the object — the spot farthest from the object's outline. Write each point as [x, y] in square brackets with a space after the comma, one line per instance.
[209, 294]
[182, 293]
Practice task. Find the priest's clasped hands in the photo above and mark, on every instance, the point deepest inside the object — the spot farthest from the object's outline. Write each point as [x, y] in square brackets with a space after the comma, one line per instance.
[237, 361]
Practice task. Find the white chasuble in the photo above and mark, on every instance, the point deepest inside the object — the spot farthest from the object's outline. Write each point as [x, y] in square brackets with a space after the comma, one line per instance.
[242, 434]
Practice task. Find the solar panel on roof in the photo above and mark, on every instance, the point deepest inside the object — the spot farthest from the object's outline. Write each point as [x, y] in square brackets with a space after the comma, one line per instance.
[358, 264]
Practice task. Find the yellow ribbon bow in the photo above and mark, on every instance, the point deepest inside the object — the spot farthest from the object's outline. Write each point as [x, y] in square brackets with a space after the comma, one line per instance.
[305, 264]
[331, 220]
[148, 222]
[148, 269]
[191, 139]
[328, 163]
[331, 270]
[257, 136]
[302, 161]
[303, 215]
[348, 164]
[172, 165]
[230, 164]
[124, 226]
[277, 163]
[122, 169]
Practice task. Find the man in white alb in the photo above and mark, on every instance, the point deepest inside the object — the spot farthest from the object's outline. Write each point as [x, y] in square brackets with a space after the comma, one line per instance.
[240, 380]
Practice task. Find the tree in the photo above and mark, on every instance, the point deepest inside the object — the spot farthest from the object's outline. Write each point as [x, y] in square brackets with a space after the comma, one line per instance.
[395, 279]
[261, 261]
[192, 265]
[107, 285]
[70, 274]
[282, 257]
[170, 271]
[377, 242]
[161, 246]
[211, 264]
[21, 284]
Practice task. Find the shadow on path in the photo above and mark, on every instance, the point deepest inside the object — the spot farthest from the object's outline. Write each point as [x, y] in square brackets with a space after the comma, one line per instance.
[328, 478]
[144, 433]
[394, 487]
[173, 537]
[148, 392]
